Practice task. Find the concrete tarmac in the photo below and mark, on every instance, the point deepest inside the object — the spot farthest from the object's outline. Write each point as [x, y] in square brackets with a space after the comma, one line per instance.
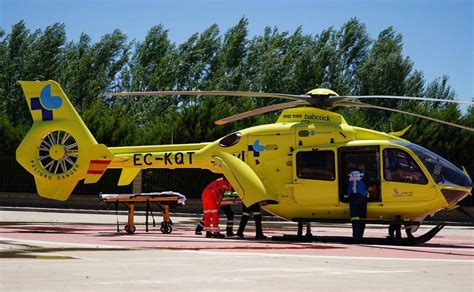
[73, 251]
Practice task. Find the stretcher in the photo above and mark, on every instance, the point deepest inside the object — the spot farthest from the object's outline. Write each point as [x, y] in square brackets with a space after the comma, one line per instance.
[230, 198]
[165, 200]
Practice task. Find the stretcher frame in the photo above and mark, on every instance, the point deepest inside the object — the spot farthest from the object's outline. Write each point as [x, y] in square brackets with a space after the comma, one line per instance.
[162, 201]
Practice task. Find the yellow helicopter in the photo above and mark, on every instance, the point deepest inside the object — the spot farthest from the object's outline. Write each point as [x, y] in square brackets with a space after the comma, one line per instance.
[297, 167]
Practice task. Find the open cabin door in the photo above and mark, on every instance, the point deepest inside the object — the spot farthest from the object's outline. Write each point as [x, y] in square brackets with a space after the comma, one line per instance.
[314, 176]
[349, 157]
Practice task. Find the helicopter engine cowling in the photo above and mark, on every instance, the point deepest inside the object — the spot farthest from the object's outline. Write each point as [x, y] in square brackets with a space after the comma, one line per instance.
[245, 181]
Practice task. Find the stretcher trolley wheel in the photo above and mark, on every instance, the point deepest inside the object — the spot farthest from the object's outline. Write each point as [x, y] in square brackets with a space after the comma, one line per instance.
[166, 228]
[130, 229]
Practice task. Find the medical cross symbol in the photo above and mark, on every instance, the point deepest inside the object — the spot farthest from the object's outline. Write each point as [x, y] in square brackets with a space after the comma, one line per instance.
[46, 115]
[256, 148]
[255, 153]
[46, 102]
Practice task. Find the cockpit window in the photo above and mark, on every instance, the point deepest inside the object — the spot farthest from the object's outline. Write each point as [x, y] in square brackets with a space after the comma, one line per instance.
[443, 172]
[400, 167]
[230, 140]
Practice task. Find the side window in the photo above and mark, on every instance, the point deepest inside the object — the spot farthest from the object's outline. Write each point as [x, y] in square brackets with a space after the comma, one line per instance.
[400, 167]
[315, 165]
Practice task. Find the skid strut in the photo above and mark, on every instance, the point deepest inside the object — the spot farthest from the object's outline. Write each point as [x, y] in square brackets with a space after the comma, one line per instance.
[409, 240]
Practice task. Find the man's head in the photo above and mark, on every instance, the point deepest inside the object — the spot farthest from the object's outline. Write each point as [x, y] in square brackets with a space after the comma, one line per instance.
[361, 166]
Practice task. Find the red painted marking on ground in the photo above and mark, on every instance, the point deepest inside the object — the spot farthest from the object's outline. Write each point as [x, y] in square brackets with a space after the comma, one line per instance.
[441, 247]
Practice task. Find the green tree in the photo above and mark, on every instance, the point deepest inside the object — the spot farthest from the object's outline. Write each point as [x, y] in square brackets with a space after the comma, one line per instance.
[344, 59]
[16, 58]
[385, 72]
[91, 69]
[46, 52]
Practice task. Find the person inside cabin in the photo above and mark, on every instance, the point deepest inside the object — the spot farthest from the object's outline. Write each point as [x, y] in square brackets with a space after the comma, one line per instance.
[358, 195]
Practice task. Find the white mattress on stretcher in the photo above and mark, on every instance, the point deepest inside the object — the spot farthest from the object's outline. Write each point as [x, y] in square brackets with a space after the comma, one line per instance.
[181, 197]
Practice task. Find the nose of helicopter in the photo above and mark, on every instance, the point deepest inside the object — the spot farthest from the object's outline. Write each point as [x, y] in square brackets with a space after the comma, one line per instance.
[454, 182]
[462, 189]
[454, 196]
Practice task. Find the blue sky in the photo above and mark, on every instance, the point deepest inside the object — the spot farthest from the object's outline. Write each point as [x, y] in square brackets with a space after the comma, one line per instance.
[438, 35]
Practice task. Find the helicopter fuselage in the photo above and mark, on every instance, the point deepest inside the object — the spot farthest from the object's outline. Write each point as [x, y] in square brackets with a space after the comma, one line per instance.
[297, 167]
[303, 161]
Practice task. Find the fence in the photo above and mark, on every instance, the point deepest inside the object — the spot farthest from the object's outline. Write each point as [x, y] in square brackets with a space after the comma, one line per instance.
[190, 182]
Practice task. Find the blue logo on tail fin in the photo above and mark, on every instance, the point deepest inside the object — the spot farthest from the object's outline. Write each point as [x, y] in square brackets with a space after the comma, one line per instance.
[48, 101]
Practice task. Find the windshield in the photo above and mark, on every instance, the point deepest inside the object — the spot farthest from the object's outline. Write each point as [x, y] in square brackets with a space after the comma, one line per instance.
[443, 172]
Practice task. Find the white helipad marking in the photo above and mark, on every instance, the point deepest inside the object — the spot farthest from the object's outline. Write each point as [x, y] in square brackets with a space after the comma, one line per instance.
[318, 270]
[275, 273]
[328, 257]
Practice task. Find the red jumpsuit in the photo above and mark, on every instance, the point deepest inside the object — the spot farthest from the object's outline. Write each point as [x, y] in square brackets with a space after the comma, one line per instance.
[211, 196]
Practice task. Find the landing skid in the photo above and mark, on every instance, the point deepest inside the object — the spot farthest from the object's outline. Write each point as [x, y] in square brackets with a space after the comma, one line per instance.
[369, 240]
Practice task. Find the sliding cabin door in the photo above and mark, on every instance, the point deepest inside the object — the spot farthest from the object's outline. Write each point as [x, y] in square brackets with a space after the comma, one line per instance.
[314, 176]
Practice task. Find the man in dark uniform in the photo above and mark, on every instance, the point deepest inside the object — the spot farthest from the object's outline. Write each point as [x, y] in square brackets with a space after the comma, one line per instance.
[395, 231]
[357, 192]
[255, 211]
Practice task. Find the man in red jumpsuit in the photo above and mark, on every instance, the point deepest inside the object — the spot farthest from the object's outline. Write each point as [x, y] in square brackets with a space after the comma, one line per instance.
[211, 196]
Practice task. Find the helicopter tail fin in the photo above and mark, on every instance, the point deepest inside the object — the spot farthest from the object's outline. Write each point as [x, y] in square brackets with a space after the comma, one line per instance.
[59, 150]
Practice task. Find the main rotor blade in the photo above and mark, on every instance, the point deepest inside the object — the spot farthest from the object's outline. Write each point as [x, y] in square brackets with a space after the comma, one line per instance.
[366, 105]
[261, 110]
[212, 93]
[355, 97]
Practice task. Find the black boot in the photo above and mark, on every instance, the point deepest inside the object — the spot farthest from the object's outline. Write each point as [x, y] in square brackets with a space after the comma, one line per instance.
[199, 228]
[395, 231]
[398, 231]
[208, 234]
[357, 231]
[391, 231]
[258, 226]
[243, 223]
[228, 231]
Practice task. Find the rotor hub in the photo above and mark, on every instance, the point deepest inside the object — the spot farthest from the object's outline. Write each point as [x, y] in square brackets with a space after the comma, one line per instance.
[57, 152]
[320, 97]
[323, 92]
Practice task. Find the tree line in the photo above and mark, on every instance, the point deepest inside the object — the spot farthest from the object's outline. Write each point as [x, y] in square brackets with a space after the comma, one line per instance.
[346, 59]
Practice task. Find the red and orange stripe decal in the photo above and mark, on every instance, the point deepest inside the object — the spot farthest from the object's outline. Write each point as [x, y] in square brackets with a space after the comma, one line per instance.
[98, 166]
